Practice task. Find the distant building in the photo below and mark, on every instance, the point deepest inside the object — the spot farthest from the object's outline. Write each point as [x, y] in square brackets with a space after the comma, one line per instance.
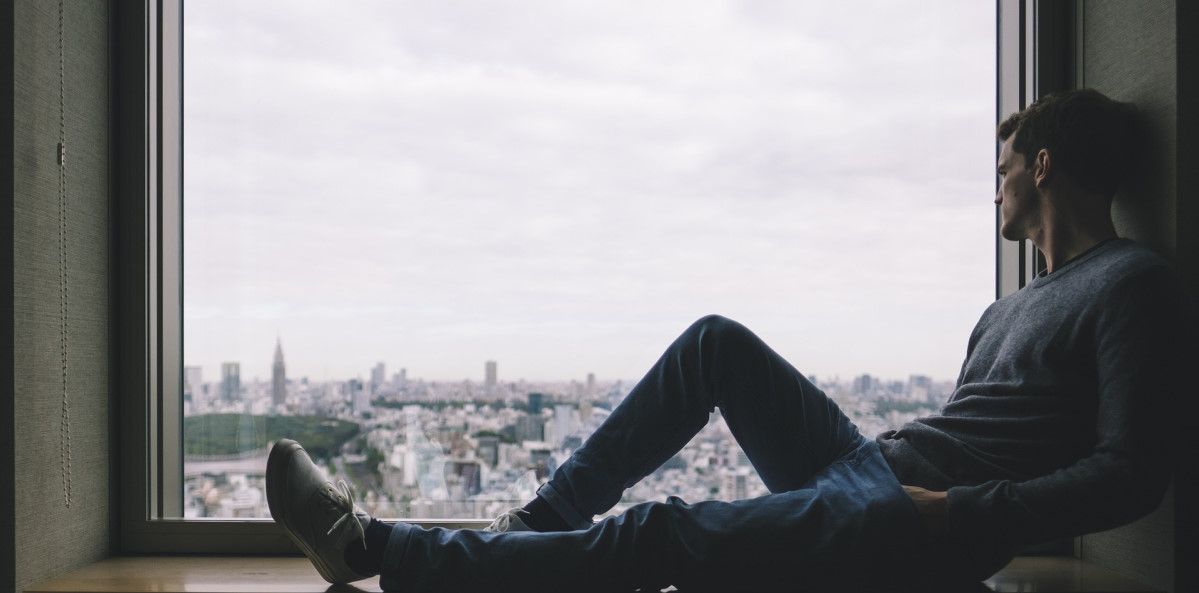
[590, 386]
[489, 377]
[488, 450]
[378, 377]
[278, 377]
[864, 385]
[738, 458]
[734, 484]
[564, 423]
[230, 381]
[536, 402]
[470, 476]
[360, 400]
[920, 387]
[530, 428]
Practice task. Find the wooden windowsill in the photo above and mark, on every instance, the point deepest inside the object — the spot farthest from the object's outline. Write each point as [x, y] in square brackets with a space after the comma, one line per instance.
[290, 574]
[198, 574]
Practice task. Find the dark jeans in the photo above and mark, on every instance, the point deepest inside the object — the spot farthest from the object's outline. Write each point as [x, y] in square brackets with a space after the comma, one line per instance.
[836, 517]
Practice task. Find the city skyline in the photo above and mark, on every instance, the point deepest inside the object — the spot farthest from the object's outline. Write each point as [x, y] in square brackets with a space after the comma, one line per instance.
[466, 451]
[488, 377]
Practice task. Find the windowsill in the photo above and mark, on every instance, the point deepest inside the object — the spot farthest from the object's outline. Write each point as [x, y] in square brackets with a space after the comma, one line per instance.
[293, 574]
[202, 574]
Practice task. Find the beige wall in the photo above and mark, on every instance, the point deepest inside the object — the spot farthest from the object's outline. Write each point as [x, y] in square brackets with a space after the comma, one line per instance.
[1129, 51]
[52, 537]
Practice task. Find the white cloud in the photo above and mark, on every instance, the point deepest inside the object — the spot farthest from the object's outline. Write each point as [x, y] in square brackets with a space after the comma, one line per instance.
[436, 184]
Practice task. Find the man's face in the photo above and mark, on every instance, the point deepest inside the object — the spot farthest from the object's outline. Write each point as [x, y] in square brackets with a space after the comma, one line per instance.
[1017, 196]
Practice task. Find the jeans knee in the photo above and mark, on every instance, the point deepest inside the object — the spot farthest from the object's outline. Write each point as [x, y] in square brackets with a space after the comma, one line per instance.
[717, 329]
[715, 325]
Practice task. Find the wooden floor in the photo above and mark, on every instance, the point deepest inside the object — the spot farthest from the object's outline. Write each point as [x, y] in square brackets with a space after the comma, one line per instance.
[271, 574]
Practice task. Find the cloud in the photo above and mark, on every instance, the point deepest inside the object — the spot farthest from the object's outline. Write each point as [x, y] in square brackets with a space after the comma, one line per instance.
[435, 184]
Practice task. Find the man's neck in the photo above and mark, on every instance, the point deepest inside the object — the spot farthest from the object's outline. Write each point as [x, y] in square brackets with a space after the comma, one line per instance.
[1067, 240]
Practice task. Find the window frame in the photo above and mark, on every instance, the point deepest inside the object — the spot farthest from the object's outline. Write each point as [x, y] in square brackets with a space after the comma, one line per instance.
[148, 260]
[148, 286]
[1036, 54]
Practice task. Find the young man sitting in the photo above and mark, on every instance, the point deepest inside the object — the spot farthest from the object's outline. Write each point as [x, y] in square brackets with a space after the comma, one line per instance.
[1061, 423]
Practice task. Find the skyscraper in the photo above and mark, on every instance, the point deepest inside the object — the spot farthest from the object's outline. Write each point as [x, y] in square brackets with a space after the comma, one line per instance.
[230, 381]
[489, 379]
[378, 377]
[278, 377]
[536, 401]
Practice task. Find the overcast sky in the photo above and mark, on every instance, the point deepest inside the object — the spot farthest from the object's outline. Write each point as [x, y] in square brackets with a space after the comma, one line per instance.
[563, 187]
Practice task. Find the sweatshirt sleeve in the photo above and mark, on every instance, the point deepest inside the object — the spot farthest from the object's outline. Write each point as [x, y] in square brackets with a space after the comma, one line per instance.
[1144, 337]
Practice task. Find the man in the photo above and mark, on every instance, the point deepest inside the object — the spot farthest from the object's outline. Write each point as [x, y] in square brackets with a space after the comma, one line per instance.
[1060, 424]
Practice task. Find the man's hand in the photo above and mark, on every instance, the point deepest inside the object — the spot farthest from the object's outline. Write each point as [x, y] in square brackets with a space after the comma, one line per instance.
[933, 509]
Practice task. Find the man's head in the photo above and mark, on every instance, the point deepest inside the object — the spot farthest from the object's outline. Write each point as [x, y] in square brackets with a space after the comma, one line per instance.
[1089, 137]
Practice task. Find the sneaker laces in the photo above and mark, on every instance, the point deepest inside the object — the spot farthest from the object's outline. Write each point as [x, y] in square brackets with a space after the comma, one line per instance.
[343, 500]
[505, 520]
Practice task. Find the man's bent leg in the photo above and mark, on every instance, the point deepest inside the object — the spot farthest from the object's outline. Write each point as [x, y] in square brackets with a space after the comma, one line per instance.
[851, 527]
[788, 428]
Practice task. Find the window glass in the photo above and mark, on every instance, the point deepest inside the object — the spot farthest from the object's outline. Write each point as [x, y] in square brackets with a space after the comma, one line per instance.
[437, 242]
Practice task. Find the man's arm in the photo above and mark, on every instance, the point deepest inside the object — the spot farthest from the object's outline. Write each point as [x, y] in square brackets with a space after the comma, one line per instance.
[1143, 344]
[932, 506]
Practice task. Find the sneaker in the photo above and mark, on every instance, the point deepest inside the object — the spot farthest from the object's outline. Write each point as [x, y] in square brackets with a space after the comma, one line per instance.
[317, 515]
[509, 521]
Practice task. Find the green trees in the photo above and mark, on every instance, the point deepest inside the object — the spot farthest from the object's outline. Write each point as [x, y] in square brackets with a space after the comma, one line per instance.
[228, 434]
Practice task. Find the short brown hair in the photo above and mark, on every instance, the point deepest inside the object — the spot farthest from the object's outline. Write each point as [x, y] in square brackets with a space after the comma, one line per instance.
[1093, 138]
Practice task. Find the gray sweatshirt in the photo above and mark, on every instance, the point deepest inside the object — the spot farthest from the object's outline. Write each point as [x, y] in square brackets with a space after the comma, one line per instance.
[1065, 411]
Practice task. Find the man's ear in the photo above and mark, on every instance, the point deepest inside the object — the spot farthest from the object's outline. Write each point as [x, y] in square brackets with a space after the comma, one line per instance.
[1043, 167]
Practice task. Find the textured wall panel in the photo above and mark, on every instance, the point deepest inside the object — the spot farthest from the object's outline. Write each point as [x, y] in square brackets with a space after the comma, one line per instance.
[52, 537]
[1129, 54]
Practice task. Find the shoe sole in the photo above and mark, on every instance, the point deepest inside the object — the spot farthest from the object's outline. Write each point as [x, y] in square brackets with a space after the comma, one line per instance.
[276, 473]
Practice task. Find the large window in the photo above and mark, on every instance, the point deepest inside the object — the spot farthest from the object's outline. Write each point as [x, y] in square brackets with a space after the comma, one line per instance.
[439, 242]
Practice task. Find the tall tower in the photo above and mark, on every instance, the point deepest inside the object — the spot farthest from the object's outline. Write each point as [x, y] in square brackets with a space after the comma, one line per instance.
[378, 377]
[536, 401]
[230, 381]
[278, 377]
[489, 379]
